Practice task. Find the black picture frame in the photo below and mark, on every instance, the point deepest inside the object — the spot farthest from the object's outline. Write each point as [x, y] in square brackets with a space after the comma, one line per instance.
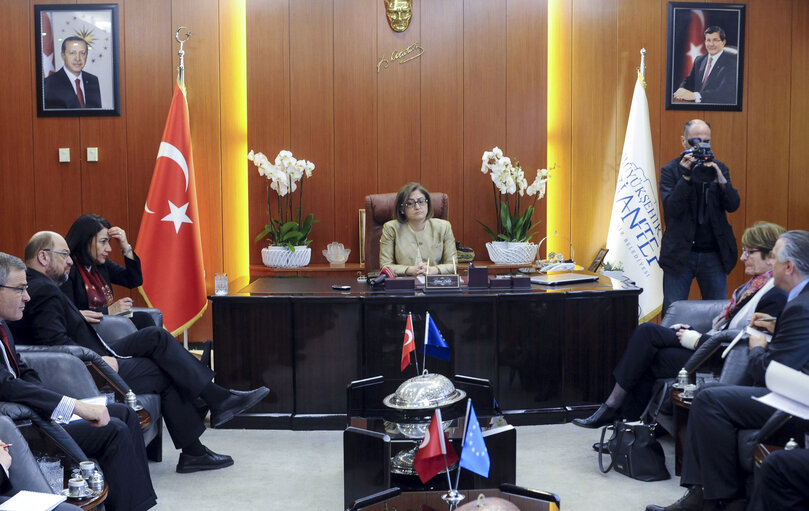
[97, 26]
[686, 48]
[598, 260]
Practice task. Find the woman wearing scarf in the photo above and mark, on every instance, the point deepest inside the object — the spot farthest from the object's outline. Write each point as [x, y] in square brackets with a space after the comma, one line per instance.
[656, 352]
[89, 284]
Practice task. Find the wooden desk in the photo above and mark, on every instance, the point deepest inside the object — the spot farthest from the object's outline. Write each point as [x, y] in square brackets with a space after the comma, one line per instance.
[258, 271]
[548, 352]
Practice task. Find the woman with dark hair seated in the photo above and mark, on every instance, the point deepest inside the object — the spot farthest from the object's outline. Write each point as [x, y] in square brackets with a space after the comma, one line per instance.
[656, 351]
[89, 284]
[415, 238]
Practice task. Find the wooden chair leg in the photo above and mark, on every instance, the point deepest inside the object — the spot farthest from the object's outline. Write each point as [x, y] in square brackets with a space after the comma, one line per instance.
[154, 451]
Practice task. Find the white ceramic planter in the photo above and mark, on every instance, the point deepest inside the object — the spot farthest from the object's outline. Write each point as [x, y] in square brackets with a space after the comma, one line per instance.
[282, 257]
[511, 252]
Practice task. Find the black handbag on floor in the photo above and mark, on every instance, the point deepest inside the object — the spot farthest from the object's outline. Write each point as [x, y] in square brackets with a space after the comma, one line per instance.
[634, 449]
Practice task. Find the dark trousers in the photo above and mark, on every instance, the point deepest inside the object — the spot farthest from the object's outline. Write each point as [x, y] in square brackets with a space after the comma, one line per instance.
[160, 365]
[782, 482]
[707, 268]
[653, 352]
[711, 453]
[120, 452]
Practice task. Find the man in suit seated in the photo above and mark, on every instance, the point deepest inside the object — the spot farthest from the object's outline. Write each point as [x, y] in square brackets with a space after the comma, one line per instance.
[713, 77]
[111, 434]
[149, 360]
[710, 467]
[782, 482]
[71, 86]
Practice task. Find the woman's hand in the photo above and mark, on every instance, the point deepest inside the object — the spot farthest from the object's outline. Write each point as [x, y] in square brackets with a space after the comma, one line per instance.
[120, 235]
[5, 457]
[688, 338]
[762, 321]
[121, 306]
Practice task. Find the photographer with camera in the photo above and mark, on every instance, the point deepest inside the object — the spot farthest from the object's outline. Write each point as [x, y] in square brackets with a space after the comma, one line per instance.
[698, 242]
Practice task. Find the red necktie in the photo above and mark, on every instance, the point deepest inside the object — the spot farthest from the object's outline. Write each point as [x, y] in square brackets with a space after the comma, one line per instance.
[9, 354]
[705, 79]
[80, 94]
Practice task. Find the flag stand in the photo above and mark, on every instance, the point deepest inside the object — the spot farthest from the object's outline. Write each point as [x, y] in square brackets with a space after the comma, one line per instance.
[181, 53]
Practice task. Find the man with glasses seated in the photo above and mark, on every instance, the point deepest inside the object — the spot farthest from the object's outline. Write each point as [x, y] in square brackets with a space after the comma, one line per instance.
[111, 434]
[415, 239]
[149, 360]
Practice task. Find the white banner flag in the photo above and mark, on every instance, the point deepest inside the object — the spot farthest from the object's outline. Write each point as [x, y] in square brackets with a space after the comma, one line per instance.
[635, 229]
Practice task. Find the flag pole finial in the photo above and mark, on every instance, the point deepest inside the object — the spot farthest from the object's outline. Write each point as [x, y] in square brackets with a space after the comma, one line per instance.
[642, 68]
[181, 53]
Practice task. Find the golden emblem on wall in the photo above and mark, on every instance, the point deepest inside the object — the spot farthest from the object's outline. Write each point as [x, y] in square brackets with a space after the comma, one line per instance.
[399, 13]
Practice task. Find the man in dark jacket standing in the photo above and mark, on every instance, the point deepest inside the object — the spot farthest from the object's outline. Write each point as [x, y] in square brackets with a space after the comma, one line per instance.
[698, 241]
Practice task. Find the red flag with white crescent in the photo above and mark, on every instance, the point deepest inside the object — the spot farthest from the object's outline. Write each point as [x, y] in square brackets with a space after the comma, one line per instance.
[169, 243]
[435, 452]
[409, 344]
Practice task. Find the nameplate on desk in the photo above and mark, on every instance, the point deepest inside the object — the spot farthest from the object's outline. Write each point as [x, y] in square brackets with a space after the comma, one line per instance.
[443, 282]
[400, 284]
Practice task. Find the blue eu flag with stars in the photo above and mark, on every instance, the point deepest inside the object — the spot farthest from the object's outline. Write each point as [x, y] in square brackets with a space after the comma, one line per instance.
[434, 343]
[474, 456]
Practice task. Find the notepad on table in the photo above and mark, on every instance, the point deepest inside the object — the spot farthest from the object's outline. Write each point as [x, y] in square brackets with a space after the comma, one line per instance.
[32, 501]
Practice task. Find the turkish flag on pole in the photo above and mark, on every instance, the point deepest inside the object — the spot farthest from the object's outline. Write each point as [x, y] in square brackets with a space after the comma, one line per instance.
[429, 461]
[409, 345]
[169, 243]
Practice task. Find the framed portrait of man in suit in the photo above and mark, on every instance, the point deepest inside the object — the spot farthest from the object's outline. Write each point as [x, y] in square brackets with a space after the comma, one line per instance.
[705, 56]
[77, 60]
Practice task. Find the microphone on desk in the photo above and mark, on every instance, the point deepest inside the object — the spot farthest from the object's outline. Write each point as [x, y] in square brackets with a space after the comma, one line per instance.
[384, 273]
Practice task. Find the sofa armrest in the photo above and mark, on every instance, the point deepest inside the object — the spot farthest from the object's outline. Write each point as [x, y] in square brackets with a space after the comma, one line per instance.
[697, 313]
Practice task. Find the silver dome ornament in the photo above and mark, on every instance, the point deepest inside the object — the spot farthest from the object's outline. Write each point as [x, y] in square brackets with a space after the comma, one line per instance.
[425, 391]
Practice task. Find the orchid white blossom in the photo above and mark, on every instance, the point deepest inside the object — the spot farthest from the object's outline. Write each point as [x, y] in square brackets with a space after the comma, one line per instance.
[283, 178]
[509, 179]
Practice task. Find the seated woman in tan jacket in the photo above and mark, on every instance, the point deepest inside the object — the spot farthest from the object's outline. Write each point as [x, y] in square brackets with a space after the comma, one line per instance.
[415, 238]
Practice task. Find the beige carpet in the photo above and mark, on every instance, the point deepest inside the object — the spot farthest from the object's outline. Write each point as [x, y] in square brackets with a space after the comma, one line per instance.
[293, 470]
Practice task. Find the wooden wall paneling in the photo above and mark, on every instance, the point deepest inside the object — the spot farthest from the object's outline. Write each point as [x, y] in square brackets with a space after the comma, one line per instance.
[57, 191]
[442, 103]
[104, 188]
[311, 72]
[526, 93]
[594, 81]
[149, 85]
[398, 100]
[798, 190]
[355, 116]
[640, 24]
[17, 157]
[484, 109]
[768, 109]
[268, 116]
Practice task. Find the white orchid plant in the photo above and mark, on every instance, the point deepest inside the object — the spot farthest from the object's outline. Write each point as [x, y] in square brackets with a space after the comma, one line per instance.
[285, 176]
[509, 179]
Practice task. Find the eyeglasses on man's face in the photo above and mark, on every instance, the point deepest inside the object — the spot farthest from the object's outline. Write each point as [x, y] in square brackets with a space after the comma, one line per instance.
[63, 253]
[19, 289]
[410, 203]
[747, 252]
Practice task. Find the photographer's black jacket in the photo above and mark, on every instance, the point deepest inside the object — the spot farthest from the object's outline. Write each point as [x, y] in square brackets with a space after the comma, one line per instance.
[680, 199]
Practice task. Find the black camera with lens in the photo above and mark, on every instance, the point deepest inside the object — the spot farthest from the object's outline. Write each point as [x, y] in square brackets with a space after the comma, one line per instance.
[701, 151]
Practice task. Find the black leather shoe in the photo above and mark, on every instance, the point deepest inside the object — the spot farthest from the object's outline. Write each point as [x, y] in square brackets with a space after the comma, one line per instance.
[208, 461]
[691, 501]
[606, 447]
[238, 402]
[603, 416]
